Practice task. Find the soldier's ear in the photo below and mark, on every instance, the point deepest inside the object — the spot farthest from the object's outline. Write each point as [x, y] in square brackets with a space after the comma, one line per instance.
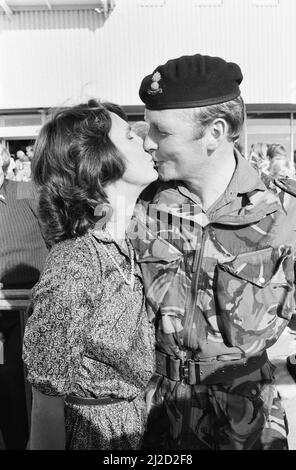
[218, 131]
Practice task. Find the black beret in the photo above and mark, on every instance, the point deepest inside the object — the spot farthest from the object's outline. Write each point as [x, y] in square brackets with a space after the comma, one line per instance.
[191, 81]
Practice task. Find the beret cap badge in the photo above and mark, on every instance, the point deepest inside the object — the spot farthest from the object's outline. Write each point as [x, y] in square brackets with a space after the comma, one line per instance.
[154, 86]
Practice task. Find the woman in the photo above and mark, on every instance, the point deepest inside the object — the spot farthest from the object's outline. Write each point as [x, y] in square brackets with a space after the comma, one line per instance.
[88, 346]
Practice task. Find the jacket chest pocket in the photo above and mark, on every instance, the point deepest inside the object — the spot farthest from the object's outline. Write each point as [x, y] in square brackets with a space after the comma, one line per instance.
[255, 295]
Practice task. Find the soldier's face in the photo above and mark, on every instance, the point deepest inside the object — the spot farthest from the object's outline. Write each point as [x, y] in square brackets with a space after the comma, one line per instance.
[173, 142]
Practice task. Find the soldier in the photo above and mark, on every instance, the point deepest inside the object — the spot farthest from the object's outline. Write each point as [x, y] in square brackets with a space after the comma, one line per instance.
[217, 266]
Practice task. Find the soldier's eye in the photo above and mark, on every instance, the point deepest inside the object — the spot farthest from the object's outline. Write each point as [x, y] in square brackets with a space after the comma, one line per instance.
[160, 131]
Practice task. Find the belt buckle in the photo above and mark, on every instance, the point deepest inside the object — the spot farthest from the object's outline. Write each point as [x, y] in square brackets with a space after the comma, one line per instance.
[184, 372]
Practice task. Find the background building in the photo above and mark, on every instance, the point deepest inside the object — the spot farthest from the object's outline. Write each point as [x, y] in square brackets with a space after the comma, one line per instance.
[60, 52]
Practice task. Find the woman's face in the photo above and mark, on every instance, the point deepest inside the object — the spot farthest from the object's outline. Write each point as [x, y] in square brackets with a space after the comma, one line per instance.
[139, 164]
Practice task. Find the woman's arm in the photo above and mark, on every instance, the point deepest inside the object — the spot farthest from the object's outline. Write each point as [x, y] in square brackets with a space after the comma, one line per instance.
[47, 422]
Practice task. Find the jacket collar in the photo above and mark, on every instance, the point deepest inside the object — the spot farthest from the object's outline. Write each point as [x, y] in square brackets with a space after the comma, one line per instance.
[258, 200]
[245, 179]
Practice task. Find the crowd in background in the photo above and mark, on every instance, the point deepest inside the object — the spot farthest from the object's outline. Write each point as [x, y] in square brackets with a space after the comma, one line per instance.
[20, 166]
[271, 160]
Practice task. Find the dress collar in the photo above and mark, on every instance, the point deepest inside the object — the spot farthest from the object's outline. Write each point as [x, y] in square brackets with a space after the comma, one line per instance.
[103, 236]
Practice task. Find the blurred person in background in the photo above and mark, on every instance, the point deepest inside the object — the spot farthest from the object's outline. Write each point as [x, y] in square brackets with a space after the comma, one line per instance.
[10, 174]
[278, 153]
[23, 167]
[22, 256]
[30, 152]
[88, 347]
[279, 166]
[20, 157]
[258, 158]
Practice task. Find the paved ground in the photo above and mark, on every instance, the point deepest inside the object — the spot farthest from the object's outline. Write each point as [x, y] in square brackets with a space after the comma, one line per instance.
[285, 346]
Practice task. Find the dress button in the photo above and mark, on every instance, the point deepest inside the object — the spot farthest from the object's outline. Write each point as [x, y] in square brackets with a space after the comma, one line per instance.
[254, 391]
[262, 280]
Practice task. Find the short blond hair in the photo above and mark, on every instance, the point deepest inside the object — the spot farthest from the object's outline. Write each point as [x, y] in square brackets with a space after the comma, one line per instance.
[233, 112]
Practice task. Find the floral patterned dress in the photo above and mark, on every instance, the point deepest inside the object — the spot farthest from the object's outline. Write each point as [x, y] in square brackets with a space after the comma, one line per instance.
[89, 336]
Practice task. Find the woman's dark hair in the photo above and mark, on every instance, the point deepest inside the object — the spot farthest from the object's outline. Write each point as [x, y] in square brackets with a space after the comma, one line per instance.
[74, 159]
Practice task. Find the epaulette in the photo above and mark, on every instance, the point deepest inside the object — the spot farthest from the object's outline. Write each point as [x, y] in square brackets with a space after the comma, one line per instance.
[286, 184]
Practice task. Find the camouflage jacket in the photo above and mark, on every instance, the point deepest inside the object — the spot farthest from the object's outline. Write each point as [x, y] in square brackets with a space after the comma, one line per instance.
[219, 283]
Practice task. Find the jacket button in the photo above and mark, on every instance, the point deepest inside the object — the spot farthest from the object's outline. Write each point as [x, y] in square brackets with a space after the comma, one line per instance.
[262, 280]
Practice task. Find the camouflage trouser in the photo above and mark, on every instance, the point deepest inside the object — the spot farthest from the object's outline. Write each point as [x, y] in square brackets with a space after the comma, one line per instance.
[244, 415]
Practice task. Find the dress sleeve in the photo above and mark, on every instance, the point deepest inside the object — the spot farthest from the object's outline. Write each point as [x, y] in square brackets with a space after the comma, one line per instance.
[54, 335]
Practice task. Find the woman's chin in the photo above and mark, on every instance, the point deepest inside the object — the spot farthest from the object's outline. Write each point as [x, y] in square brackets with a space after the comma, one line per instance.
[151, 176]
[154, 177]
